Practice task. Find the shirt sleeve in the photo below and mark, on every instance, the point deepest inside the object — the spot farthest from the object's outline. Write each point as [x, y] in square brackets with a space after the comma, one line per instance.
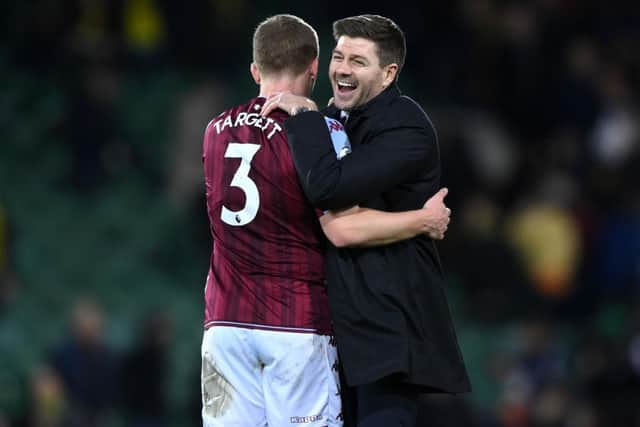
[389, 158]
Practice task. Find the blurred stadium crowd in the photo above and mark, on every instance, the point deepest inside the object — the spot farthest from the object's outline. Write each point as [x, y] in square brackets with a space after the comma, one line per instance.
[104, 242]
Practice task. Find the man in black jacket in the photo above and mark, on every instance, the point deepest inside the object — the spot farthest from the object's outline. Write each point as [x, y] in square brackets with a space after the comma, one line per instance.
[391, 318]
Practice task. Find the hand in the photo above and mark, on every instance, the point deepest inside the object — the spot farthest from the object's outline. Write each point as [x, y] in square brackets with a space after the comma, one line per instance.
[288, 102]
[437, 216]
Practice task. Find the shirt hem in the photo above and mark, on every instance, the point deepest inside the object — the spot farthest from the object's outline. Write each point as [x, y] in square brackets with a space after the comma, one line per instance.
[209, 324]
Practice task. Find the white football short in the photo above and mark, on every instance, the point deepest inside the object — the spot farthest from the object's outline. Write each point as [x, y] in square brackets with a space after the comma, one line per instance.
[255, 378]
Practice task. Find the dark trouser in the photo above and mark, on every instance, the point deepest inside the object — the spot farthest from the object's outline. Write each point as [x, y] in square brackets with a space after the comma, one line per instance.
[383, 403]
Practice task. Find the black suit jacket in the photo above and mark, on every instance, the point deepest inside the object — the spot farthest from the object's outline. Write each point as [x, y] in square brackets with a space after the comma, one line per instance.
[388, 303]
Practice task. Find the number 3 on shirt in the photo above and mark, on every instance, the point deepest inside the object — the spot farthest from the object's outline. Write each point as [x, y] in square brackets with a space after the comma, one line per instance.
[241, 179]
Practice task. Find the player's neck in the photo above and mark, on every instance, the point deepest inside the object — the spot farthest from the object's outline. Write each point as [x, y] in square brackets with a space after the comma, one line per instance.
[296, 86]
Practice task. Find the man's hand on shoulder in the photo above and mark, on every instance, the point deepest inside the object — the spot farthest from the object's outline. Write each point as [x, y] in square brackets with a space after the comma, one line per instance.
[287, 101]
[436, 215]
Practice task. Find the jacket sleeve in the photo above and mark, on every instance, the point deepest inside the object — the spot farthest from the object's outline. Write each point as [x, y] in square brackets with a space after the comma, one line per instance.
[391, 157]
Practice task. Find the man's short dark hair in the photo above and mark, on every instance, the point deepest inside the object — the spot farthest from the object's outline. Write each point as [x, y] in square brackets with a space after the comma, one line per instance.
[284, 44]
[385, 33]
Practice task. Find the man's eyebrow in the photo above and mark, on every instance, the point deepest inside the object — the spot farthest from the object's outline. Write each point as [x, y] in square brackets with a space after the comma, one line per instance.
[364, 58]
[351, 56]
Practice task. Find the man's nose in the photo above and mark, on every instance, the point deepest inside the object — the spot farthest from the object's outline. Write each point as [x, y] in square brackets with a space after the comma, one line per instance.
[343, 69]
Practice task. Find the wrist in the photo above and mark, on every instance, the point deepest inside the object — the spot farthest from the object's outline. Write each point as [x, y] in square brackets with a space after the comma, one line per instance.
[309, 105]
[417, 222]
[298, 110]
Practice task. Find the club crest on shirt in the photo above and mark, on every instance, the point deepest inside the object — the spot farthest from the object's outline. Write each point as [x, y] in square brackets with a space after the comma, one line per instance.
[339, 137]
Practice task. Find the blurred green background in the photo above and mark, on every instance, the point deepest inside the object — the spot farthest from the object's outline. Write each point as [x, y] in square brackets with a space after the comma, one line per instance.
[104, 241]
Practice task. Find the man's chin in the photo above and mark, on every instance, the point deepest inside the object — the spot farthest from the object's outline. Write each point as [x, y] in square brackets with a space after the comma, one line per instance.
[341, 104]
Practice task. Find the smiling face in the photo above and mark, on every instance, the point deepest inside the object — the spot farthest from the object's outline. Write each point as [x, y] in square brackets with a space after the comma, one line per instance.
[356, 74]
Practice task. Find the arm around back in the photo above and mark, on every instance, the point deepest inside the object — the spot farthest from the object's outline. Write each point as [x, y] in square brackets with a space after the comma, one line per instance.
[368, 227]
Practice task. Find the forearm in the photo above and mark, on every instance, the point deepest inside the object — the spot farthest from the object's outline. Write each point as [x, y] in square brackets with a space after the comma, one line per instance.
[390, 157]
[368, 227]
[316, 161]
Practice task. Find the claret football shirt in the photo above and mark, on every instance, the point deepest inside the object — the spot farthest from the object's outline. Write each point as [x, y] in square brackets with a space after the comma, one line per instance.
[266, 268]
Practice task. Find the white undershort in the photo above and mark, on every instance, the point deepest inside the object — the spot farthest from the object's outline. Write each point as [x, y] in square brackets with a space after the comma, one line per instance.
[255, 378]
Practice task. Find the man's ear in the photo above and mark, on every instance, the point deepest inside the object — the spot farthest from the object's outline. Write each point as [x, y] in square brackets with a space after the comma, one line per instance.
[314, 69]
[390, 73]
[255, 73]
